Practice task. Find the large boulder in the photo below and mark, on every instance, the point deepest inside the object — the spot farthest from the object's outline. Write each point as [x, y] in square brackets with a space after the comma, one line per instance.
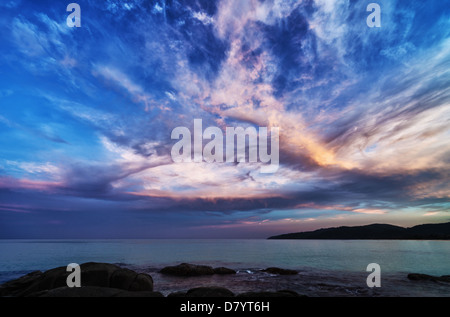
[186, 269]
[122, 279]
[101, 275]
[141, 283]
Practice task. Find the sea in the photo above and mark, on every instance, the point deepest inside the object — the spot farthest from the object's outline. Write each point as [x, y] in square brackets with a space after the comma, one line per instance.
[326, 267]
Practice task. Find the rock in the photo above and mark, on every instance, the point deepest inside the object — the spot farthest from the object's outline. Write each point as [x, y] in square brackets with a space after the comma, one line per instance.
[97, 275]
[185, 269]
[122, 279]
[94, 291]
[142, 282]
[277, 270]
[15, 287]
[209, 291]
[177, 294]
[223, 270]
[139, 294]
[49, 279]
[129, 280]
[84, 291]
[290, 292]
[426, 277]
[283, 293]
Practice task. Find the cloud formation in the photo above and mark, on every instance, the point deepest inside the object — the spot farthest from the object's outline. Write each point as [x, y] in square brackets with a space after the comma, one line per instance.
[87, 114]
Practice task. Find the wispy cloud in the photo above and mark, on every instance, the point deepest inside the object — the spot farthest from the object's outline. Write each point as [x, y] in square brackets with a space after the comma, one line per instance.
[364, 114]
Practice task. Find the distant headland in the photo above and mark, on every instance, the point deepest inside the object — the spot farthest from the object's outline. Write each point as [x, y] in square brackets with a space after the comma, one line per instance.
[439, 231]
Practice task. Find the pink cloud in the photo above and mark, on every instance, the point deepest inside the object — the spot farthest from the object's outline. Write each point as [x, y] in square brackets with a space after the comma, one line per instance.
[9, 182]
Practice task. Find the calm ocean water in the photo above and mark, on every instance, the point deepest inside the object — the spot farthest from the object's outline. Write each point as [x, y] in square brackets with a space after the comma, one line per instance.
[340, 263]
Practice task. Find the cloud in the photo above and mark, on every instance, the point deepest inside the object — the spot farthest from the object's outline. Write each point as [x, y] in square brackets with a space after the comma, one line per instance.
[203, 17]
[137, 93]
[10, 4]
[36, 168]
[363, 113]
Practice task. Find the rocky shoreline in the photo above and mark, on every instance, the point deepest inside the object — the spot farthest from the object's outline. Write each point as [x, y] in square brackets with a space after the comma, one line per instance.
[190, 280]
[110, 280]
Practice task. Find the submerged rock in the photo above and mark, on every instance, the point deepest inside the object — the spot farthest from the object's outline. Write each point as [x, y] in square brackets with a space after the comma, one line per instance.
[279, 271]
[186, 269]
[426, 277]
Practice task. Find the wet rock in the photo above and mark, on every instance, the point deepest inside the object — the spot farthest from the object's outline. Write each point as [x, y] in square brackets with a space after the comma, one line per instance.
[186, 269]
[426, 277]
[223, 270]
[279, 271]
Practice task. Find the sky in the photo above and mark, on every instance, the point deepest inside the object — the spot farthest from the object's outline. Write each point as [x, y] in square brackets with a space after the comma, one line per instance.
[86, 116]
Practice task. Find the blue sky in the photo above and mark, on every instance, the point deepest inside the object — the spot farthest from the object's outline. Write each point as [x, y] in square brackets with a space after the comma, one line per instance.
[86, 116]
